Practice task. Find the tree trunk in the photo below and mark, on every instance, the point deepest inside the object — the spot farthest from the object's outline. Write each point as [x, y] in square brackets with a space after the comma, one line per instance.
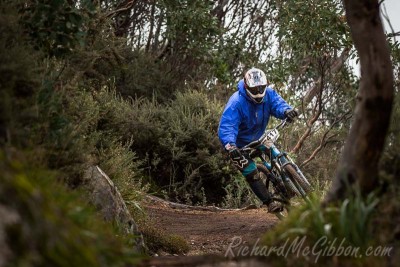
[364, 145]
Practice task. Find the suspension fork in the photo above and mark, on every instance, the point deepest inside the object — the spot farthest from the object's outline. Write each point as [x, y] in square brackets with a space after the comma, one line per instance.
[280, 157]
[278, 161]
[298, 170]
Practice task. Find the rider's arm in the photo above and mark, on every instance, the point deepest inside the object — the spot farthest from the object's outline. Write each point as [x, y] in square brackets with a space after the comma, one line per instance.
[229, 123]
[278, 105]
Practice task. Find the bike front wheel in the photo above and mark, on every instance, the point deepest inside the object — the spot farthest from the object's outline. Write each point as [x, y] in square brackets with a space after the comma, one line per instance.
[298, 180]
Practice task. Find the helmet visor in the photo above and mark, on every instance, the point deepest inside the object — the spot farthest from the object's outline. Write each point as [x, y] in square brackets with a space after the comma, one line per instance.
[257, 89]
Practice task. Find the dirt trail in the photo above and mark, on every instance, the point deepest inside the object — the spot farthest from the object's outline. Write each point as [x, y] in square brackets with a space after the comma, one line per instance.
[210, 231]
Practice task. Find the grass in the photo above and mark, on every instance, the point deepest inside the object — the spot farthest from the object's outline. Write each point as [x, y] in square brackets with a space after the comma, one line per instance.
[320, 230]
[157, 240]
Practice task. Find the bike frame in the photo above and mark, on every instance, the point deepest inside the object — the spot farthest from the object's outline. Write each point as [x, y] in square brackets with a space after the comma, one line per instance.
[277, 159]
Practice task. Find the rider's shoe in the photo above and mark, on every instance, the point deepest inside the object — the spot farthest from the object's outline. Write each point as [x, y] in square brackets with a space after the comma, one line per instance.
[275, 207]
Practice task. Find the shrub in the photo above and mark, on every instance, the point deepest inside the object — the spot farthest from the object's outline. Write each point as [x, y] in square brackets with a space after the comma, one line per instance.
[180, 146]
[20, 77]
[238, 193]
[349, 225]
[46, 225]
[158, 240]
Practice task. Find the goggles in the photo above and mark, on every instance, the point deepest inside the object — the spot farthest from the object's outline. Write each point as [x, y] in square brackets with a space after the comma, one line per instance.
[257, 89]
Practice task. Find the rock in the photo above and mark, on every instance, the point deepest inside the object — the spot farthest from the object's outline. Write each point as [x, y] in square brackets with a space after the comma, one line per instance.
[105, 196]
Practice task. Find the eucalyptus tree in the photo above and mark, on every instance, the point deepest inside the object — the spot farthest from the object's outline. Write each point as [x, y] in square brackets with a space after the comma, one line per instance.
[365, 143]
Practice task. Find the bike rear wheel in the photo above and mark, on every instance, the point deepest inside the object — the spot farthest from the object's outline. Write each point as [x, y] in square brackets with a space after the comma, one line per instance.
[275, 191]
[278, 186]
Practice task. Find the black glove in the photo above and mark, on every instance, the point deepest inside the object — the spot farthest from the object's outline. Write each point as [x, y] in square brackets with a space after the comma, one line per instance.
[291, 114]
[234, 153]
[237, 157]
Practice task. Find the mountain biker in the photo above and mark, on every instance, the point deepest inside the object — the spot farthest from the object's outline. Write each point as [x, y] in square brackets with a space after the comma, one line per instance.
[245, 119]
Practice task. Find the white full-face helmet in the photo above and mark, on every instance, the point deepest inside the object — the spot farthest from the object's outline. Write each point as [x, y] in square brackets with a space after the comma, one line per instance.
[255, 82]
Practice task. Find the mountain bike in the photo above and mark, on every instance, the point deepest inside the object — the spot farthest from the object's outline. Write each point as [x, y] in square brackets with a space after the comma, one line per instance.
[277, 169]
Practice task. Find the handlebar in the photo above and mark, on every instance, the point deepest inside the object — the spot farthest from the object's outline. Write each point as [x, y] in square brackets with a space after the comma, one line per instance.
[258, 142]
[282, 124]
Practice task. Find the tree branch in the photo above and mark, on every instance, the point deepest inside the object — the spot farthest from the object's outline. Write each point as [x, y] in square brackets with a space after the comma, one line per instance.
[393, 34]
[317, 110]
[325, 138]
[386, 17]
[128, 6]
[335, 67]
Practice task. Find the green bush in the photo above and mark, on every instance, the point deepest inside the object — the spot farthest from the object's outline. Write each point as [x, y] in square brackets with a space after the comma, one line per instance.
[57, 27]
[86, 132]
[67, 134]
[176, 144]
[350, 225]
[238, 193]
[138, 74]
[47, 225]
[158, 240]
[180, 146]
[122, 164]
[20, 77]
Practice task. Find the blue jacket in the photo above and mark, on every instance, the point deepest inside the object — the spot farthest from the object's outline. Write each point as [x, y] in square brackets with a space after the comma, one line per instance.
[244, 121]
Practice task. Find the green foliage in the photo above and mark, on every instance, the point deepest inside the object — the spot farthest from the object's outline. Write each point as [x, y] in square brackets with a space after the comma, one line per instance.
[192, 31]
[20, 77]
[122, 164]
[138, 74]
[193, 20]
[180, 144]
[321, 21]
[395, 56]
[47, 225]
[57, 127]
[80, 131]
[390, 160]
[238, 194]
[57, 27]
[301, 61]
[175, 144]
[158, 240]
[68, 131]
[357, 230]
[350, 224]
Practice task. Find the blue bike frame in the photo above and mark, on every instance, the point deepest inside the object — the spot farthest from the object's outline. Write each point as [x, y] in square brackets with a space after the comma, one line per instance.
[277, 159]
[276, 154]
